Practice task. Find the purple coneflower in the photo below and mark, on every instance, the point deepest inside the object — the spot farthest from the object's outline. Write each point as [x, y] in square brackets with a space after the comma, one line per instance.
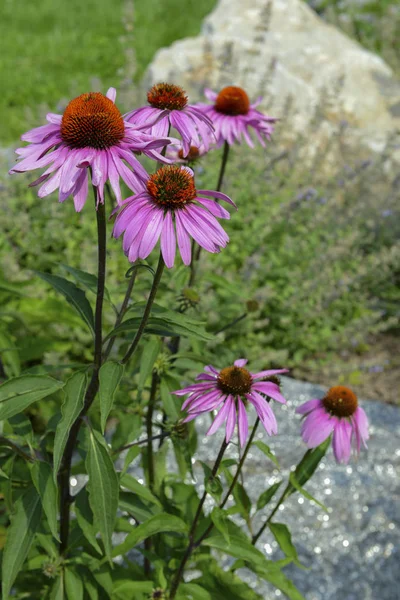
[90, 134]
[336, 412]
[176, 153]
[169, 201]
[234, 387]
[169, 103]
[232, 115]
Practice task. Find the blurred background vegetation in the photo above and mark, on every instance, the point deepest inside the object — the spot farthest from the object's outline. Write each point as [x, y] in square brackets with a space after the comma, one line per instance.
[312, 272]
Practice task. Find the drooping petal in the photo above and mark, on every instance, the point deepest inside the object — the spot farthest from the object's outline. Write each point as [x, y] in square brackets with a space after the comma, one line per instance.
[341, 442]
[243, 424]
[264, 411]
[219, 419]
[231, 419]
[308, 406]
[317, 426]
[270, 389]
[168, 241]
[184, 245]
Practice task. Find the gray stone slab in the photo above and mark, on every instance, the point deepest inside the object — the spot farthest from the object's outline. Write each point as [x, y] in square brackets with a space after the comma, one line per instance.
[352, 552]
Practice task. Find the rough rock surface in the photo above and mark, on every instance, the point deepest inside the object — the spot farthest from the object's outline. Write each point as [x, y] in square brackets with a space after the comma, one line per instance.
[282, 50]
[353, 551]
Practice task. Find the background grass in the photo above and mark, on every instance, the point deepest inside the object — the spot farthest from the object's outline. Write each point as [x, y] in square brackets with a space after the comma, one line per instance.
[54, 50]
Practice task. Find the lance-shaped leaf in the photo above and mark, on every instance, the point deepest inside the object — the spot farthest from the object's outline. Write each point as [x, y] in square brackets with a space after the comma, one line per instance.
[303, 492]
[19, 393]
[267, 451]
[103, 488]
[310, 461]
[149, 355]
[161, 523]
[109, 377]
[192, 591]
[75, 296]
[73, 585]
[74, 390]
[283, 536]
[24, 524]
[84, 516]
[266, 496]
[42, 477]
[88, 280]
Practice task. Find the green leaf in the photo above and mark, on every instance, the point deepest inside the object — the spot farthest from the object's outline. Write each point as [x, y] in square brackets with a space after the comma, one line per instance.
[73, 585]
[103, 488]
[74, 390]
[75, 296]
[283, 536]
[132, 453]
[242, 499]
[268, 452]
[238, 548]
[283, 583]
[110, 375]
[88, 280]
[168, 401]
[132, 589]
[24, 524]
[192, 591]
[224, 585]
[161, 523]
[266, 496]
[310, 461]
[164, 322]
[19, 393]
[150, 352]
[219, 518]
[303, 492]
[133, 485]
[42, 477]
[84, 516]
[57, 591]
[212, 483]
[9, 356]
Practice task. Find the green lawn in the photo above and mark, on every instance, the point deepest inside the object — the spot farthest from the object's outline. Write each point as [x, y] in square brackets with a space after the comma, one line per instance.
[53, 50]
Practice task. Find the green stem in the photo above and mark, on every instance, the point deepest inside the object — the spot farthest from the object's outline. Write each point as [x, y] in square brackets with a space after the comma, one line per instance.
[232, 323]
[147, 310]
[234, 480]
[286, 492]
[122, 312]
[196, 255]
[139, 442]
[65, 470]
[5, 442]
[177, 579]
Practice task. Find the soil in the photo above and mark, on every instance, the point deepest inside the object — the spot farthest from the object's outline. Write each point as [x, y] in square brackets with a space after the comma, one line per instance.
[373, 373]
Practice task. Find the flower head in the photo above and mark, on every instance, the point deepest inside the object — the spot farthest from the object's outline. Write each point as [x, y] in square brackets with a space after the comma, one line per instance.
[169, 104]
[338, 413]
[233, 115]
[167, 202]
[231, 389]
[92, 134]
[176, 153]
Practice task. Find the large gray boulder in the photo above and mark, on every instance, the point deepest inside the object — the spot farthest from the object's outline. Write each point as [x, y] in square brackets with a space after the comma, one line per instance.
[282, 50]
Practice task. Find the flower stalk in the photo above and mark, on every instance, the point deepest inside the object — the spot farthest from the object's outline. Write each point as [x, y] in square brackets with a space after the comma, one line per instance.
[65, 470]
[191, 546]
[147, 310]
